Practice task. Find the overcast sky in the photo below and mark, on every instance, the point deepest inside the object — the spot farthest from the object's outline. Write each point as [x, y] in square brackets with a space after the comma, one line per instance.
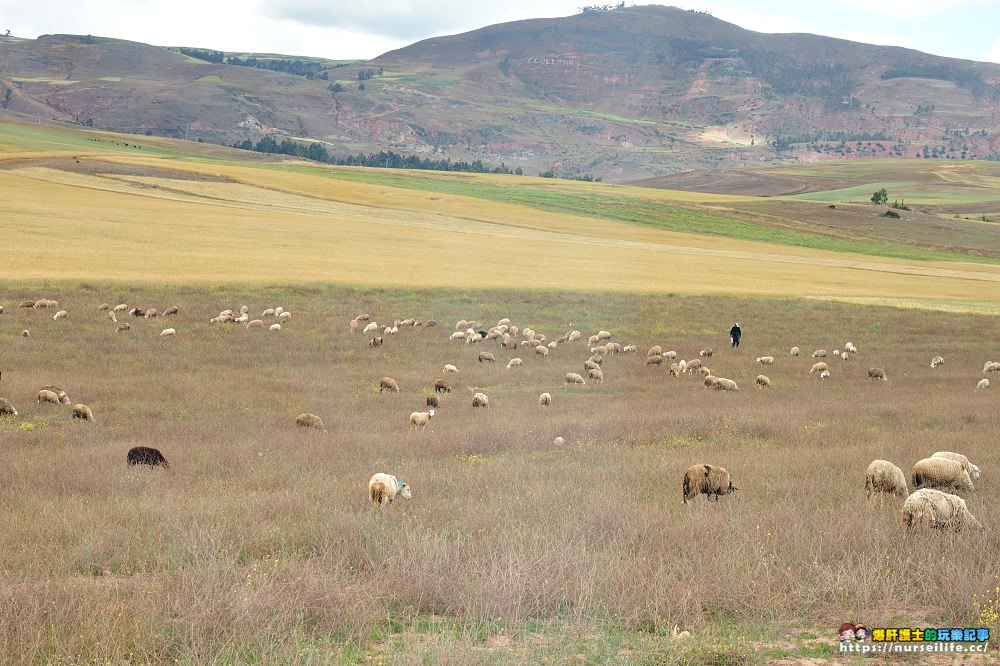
[360, 30]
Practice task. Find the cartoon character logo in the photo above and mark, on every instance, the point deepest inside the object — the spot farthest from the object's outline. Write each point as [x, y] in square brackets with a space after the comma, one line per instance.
[860, 633]
[846, 632]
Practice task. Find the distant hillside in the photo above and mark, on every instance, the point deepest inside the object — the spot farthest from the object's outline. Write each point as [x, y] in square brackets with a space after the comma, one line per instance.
[620, 94]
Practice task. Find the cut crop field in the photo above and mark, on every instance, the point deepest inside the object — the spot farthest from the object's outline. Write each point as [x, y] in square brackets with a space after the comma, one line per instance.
[259, 545]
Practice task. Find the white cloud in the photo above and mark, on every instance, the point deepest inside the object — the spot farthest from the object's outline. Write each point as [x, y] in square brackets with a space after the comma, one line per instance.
[994, 54]
[909, 10]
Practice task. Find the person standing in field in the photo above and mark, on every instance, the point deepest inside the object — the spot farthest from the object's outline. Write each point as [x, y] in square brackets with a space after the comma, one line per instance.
[735, 334]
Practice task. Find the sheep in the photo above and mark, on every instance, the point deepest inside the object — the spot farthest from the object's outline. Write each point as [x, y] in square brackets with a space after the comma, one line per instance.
[711, 381]
[420, 419]
[941, 473]
[432, 400]
[255, 323]
[682, 366]
[603, 335]
[705, 372]
[307, 420]
[836, 352]
[991, 366]
[429, 323]
[62, 314]
[27, 304]
[613, 348]
[269, 312]
[592, 340]
[25, 333]
[849, 347]
[45, 303]
[670, 355]
[819, 353]
[596, 375]
[504, 322]
[383, 488]
[558, 441]
[486, 357]
[961, 459]
[274, 327]
[982, 384]
[388, 384]
[819, 367]
[373, 326]
[655, 350]
[172, 310]
[723, 384]
[81, 411]
[145, 455]
[113, 317]
[450, 368]
[574, 336]
[457, 335]
[244, 309]
[242, 319]
[844, 356]
[1, 309]
[63, 398]
[387, 330]
[363, 317]
[706, 353]
[654, 360]
[692, 365]
[514, 363]
[590, 365]
[706, 480]
[121, 307]
[763, 381]
[876, 373]
[937, 361]
[7, 409]
[376, 342]
[168, 332]
[124, 326]
[929, 508]
[542, 350]
[442, 386]
[544, 399]
[794, 351]
[480, 400]
[675, 369]
[573, 378]
[630, 349]
[884, 477]
[765, 360]
[825, 374]
[150, 313]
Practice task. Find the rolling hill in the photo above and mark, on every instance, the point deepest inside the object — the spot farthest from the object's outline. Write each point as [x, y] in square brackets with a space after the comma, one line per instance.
[619, 94]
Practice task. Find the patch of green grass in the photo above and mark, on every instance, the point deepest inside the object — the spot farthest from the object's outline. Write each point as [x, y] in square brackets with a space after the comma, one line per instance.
[114, 79]
[211, 78]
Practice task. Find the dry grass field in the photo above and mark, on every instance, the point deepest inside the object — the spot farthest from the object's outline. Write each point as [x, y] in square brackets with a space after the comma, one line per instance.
[259, 545]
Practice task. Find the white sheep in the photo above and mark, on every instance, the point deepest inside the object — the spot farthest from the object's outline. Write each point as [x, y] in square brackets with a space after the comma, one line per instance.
[480, 400]
[941, 473]
[574, 336]
[961, 459]
[849, 347]
[457, 335]
[763, 381]
[877, 373]
[819, 353]
[765, 360]
[420, 419]
[514, 363]
[574, 378]
[982, 384]
[372, 326]
[825, 374]
[603, 335]
[168, 332]
[670, 355]
[596, 375]
[794, 351]
[383, 488]
[450, 368]
[991, 366]
[655, 350]
[723, 384]
[545, 399]
[269, 312]
[884, 477]
[62, 314]
[937, 361]
[929, 508]
[542, 350]
[818, 367]
[274, 327]
[630, 349]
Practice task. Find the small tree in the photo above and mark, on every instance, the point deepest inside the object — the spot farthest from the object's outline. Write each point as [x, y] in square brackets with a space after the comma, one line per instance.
[880, 197]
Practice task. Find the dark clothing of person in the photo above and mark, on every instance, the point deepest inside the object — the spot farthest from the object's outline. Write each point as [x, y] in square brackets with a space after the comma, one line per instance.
[735, 333]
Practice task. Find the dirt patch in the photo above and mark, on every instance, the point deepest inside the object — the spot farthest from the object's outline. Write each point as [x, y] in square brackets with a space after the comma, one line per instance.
[101, 168]
[740, 182]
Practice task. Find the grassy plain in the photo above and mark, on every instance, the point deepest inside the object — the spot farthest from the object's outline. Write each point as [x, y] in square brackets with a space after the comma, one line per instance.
[258, 546]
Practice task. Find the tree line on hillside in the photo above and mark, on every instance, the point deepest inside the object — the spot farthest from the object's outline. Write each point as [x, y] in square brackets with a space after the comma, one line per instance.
[310, 70]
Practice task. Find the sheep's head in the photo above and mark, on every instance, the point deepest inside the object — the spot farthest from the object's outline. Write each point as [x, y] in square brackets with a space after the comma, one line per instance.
[404, 490]
[731, 488]
[430, 414]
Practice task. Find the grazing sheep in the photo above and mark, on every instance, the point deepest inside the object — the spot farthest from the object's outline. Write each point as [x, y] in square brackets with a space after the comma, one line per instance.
[514, 363]
[7, 409]
[450, 368]
[825, 374]
[433, 401]
[836, 352]
[27, 304]
[168, 332]
[255, 323]
[961, 459]
[242, 319]
[558, 441]
[388, 384]
[849, 347]
[376, 342]
[124, 326]
[1, 309]
[682, 366]
[941, 473]
[592, 340]
[172, 310]
[603, 335]
[545, 399]
[818, 367]
[383, 488]
[150, 313]
[486, 357]
[876, 373]
[274, 327]
[590, 365]
[306, 420]
[244, 309]
[442, 386]
[355, 326]
[706, 480]
[63, 398]
[706, 352]
[46, 303]
[670, 355]
[420, 419]
[844, 356]
[145, 455]
[991, 366]
[723, 384]
[136, 312]
[794, 351]
[929, 508]
[819, 353]
[121, 307]
[81, 411]
[675, 369]
[711, 381]
[62, 314]
[884, 477]
[542, 350]
[25, 333]
[103, 307]
[613, 348]
[573, 378]
[480, 400]
[363, 317]
[936, 361]
[765, 360]
[113, 317]
[655, 350]
[630, 349]
[763, 381]
[285, 316]
[705, 372]
[457, 335]
[574, 336]
[596, 375]
[982, 384]
[269, 312]
[387, 330]
[370, 327]
[692, 365]
[654, 360]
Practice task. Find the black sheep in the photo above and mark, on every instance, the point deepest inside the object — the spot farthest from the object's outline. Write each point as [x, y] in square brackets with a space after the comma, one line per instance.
[144, 455]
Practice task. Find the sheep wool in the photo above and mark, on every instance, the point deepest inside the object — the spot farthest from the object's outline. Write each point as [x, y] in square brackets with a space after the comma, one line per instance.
[545, 399]
[932, 509]
[941, 474]
[763, 381]
[706, 480]
[310, 421]
[884, 477]
[383, 488]
[388, 384]
[961, 459]
[81, 411]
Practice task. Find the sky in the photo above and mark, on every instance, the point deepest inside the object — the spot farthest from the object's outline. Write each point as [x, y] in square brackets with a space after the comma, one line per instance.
[361, 29]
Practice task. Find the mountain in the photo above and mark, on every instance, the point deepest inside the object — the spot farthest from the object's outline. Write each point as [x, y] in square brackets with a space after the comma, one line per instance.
[624, 93]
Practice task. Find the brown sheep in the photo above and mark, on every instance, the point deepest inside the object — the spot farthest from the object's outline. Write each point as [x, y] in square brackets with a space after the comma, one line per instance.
[124, 326]
[388, 384]
[47, 397]
[596, 375]
[763, 381]
[172, 310]
[706, 480]
[442, 386]
[655, 350]
[63, 398]
[877, 373]
[310, 421]
[706, 352]
[7, 409]
[433, 401]
[654, 360]
[573, 378]
[486, 357]
[480, 400]
[819, 367]
[545, 399]
[81, 411]
[375, 342]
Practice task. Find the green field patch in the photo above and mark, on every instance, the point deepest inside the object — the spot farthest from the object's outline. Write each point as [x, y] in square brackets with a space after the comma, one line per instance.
[114, 79]
[435, 81]
[211, 78]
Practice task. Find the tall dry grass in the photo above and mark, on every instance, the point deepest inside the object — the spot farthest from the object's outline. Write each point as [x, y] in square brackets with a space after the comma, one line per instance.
[259, 546]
